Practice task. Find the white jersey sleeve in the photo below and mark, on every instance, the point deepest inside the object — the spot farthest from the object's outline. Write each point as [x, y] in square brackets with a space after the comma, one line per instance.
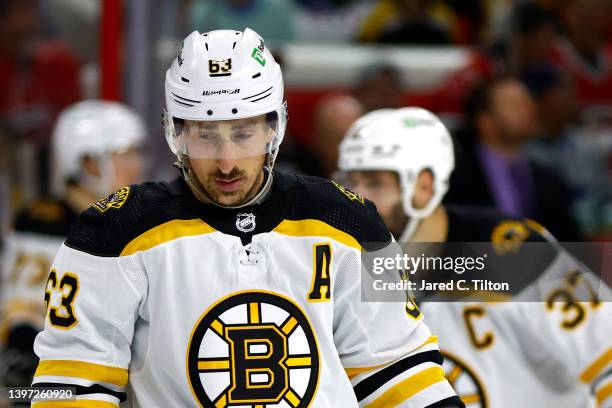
[388, 352]
[92, 305]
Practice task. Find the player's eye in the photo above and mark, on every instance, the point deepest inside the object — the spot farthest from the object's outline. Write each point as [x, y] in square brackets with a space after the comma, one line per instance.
[242, 136]
[373, 184]
[207, 136]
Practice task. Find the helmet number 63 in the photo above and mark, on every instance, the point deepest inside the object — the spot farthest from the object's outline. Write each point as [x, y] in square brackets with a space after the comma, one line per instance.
[219, 68]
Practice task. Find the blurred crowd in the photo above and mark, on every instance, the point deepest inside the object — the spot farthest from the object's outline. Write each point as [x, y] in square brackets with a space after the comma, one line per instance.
[530, 110]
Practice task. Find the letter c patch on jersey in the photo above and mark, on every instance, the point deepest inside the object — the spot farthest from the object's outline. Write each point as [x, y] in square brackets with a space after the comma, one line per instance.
[253, 348]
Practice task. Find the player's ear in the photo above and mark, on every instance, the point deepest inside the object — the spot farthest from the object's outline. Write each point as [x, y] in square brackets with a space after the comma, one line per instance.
[423, 189]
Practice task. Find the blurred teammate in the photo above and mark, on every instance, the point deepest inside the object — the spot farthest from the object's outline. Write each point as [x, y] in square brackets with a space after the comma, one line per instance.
[559, 351]
[233, 285]
[96, 149]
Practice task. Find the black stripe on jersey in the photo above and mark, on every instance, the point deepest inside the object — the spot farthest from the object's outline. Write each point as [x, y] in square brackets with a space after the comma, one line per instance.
[601, 378]
[452, 402]
[83, 390]
[377, 380]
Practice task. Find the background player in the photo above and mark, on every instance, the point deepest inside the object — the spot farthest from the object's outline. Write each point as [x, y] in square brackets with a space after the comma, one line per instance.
[97, 149]
[559, 353]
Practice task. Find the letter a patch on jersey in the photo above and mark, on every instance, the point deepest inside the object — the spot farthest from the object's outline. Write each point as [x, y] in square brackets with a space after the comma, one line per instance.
[246, 346]
[115, 200]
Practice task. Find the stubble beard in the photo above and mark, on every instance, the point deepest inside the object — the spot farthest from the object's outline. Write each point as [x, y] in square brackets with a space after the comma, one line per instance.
[242, 195]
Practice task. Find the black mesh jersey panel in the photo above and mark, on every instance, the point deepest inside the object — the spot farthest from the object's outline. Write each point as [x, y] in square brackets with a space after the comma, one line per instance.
[292, 197]
[477, 224]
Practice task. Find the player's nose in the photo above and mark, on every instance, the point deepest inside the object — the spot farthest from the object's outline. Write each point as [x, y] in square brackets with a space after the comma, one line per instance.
[226, 160]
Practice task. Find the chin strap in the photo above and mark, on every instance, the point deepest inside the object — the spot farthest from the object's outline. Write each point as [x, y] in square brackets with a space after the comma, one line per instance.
[201, 195]
[410, 229]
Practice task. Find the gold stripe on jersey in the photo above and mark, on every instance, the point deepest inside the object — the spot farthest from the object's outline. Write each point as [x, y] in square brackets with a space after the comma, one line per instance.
[603, 394]
[597, 367]
[166, 232]
[74, 404]
[315, 228]
[79, 369]
[353, 372]
[408, 387]
[470, 399]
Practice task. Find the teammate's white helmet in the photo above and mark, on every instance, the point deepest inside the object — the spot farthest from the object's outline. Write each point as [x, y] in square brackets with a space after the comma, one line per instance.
[95, 129]
[406, 141]
[224, 75]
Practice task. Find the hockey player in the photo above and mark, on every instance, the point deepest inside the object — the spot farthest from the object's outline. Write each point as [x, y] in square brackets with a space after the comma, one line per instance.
[96, 149]
[516, 353]
[234, 285]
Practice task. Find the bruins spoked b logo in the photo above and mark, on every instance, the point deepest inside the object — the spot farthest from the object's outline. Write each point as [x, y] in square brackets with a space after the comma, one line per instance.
[253, 348]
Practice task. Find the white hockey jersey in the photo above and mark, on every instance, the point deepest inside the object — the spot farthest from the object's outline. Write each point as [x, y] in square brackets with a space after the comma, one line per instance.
[513, 352]
[161, 301]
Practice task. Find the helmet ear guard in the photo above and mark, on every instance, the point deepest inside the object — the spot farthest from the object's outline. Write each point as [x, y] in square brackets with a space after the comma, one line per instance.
[439, 190]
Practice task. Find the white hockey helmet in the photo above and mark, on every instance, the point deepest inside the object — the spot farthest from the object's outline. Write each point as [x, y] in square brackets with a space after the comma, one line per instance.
[224, 75]
[95, 129]
[405, 141]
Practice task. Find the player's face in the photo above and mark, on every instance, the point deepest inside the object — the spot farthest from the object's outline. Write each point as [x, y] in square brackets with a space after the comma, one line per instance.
[383, 189]
[228, 156]
[128, 167]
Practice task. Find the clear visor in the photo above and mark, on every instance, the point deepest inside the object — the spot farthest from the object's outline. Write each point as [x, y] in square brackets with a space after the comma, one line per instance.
[225, 139]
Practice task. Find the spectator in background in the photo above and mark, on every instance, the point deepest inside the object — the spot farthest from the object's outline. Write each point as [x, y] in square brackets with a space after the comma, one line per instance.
[492, 165]
[586, 51]
[530, 41]
[379, 86]
[39, 78]
[414, 25]
[555, 97]
[577, 153]
[272, 19]
[332, 119]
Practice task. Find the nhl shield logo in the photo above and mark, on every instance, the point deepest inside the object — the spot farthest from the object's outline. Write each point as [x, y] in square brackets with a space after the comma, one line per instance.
[245, 222]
